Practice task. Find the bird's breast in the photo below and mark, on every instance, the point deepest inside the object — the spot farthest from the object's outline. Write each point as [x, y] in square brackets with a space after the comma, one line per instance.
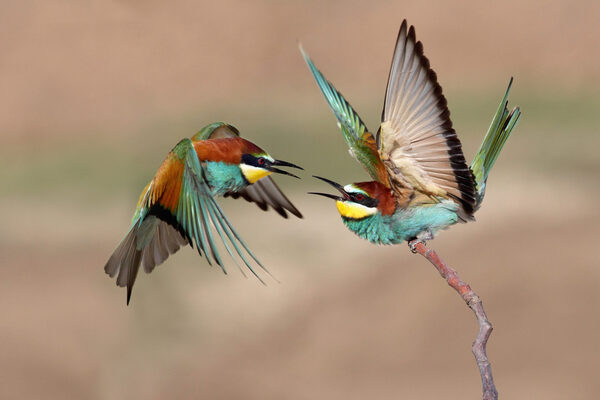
[224, 177]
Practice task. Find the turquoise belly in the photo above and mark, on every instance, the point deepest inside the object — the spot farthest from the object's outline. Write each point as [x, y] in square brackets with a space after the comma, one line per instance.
[404, 224]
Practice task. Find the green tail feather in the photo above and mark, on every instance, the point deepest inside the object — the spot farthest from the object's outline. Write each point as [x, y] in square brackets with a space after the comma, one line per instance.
[497, 134]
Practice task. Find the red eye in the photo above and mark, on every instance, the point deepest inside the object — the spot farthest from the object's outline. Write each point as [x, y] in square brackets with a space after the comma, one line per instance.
[360, 197]
[261, 161]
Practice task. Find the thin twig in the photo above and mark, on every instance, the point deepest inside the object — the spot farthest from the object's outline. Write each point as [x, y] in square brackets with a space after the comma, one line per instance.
[474, 302]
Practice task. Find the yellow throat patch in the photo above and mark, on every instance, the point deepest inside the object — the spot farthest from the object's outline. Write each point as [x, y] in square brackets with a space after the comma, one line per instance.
[354, 210]
[252, 174]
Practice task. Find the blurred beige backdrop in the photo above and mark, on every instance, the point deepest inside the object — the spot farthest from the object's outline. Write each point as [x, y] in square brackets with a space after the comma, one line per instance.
[94, 94]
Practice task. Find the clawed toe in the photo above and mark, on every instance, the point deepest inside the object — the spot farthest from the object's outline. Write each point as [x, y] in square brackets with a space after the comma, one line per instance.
[412, 245]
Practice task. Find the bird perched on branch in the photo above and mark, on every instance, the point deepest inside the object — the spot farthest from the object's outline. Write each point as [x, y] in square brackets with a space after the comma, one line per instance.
[178, 206]
[422, 183]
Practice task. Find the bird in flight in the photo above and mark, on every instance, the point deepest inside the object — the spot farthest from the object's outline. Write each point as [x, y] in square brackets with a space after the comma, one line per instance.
[421, 181]
[178, 206]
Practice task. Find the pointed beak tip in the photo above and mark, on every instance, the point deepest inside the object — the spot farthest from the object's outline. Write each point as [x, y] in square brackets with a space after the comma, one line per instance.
[281, 163]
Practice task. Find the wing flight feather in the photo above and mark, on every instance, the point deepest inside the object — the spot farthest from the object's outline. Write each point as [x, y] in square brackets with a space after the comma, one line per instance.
[418, 145]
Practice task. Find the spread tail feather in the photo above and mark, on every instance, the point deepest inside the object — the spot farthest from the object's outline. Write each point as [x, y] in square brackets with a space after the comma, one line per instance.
[148, 243]
[500, 129]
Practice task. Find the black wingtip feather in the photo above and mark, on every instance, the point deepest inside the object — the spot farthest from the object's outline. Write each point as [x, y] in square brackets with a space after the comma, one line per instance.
[265, 193]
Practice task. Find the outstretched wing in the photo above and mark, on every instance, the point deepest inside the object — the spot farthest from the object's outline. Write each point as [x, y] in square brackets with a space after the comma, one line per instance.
[175, 209]
[418, 145]
[263, 192]
[362, 143]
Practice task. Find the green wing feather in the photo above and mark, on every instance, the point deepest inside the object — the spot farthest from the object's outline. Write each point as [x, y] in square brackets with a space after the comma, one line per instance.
[500, 129]
[216, 130]
[360, 140]
[194, 211]
[205, 132]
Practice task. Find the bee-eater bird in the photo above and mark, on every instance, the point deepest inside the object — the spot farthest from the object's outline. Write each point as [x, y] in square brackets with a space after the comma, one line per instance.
[422, 183]
[178, 206]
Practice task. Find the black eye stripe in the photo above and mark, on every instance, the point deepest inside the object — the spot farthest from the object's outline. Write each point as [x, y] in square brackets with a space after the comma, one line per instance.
[249, 159]
[363, 199]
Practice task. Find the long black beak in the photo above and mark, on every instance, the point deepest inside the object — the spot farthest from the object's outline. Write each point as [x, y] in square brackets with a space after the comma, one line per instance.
[336, 185]
[284, 164]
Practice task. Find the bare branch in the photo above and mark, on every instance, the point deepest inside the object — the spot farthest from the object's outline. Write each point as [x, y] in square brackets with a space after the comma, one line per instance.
[474, 302]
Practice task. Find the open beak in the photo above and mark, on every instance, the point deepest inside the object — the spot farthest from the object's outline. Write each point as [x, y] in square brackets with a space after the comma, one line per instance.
[339, 187]
[283, 164]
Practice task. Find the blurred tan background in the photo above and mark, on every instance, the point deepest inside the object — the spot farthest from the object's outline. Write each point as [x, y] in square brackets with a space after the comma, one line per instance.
[94, 94]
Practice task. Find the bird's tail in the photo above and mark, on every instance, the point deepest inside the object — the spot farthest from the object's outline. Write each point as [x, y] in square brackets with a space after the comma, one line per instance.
[147, 243]
[497, 134]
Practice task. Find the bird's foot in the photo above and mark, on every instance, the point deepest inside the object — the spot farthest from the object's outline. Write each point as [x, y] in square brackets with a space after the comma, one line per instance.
[412, 245]
[421, 238]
